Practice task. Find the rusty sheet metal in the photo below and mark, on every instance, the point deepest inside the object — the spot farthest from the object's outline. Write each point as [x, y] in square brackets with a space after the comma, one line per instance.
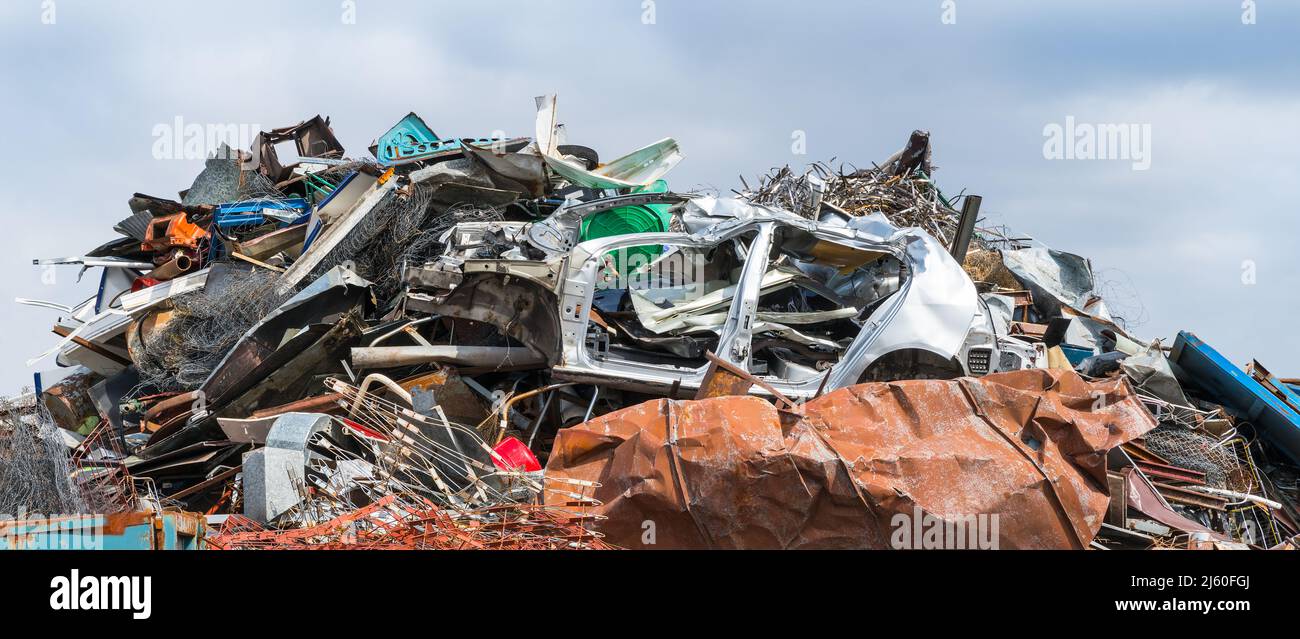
[734, 472]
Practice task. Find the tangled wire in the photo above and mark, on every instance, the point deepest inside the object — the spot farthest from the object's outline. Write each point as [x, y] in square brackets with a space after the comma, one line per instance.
[34, 464]
[205, 325]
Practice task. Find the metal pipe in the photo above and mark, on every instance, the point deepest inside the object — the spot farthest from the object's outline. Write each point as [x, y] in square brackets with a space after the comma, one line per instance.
[503, 423]
[319, 404]
[394, 356]
[1236, 495]
[178, 266]
[382, 379]
[541, 416]
[591, 407]
[383, 338]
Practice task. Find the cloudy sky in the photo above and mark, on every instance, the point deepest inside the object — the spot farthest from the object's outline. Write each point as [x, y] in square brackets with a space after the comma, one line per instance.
[86, 82]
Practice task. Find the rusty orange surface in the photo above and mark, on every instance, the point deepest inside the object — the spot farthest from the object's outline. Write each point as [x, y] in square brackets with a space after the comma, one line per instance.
[734, 472]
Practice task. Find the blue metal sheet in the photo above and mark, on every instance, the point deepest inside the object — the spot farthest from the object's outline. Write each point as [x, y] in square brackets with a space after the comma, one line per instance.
[1201, 367]
[249, 212]
[125, 531]
[99, 296]
[234, 220]
[411, 140]
[311, 236]
[1076, 354]
[1292, 397]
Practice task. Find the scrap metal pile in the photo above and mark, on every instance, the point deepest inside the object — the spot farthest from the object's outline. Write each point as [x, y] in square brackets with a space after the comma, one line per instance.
[465, 343]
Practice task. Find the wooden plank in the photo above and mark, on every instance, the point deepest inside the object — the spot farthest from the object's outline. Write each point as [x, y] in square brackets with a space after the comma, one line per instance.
[91, 346]
[241, 256]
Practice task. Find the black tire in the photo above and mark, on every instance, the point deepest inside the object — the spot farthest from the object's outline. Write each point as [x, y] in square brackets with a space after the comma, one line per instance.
[588, 155]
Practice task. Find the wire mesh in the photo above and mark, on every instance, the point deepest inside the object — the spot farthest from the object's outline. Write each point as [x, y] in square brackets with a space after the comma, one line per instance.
[35, 466]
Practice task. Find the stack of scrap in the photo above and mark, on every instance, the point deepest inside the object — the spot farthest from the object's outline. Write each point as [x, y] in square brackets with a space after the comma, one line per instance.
[497, 342]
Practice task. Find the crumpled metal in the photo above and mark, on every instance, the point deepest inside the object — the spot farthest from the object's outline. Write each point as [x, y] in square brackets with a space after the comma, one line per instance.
[735, 472]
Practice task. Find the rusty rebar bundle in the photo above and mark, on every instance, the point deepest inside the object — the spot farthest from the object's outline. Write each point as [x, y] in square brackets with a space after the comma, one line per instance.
[906, 200]
[409, 522]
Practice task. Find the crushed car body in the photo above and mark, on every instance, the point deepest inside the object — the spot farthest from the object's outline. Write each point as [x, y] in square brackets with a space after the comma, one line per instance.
[806, 306]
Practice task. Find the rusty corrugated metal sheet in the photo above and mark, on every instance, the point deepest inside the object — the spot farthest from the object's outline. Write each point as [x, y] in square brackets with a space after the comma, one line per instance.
[734, 472]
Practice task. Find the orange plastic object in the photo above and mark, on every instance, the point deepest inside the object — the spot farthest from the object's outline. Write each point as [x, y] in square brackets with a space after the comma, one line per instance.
[170, 232]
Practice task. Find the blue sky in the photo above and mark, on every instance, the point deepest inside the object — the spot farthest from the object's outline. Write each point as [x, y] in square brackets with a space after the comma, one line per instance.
[731, 81]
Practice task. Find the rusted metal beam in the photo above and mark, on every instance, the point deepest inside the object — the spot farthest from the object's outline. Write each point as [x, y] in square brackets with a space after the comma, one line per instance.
[1190, 497]
[207, 483]
[319, 404]
[1171, 472]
